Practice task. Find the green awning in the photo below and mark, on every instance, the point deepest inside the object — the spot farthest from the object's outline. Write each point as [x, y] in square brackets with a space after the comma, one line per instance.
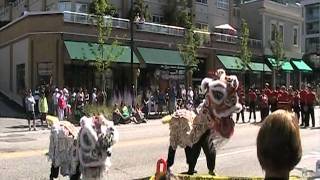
[86, 51]
[286, 66]
[259, 67]
[230, 62]
[301, 65]
[161, 56]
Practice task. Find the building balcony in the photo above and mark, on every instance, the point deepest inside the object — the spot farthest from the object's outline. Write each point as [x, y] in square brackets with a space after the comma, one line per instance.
[5, 14]
[83, 18]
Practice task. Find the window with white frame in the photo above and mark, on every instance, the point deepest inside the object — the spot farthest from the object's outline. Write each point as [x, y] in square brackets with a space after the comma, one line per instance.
[64, 6]
[202, 1]
[157, 19]
[273, 31]
[281, 31]
[202, 26]
[295, 36]
[81, 7]
[223, 4]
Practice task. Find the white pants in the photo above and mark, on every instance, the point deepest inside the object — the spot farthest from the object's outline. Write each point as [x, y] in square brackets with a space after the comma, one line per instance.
[60, 114]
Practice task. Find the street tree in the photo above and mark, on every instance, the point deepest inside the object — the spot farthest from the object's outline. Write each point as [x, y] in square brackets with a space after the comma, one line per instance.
[245, 52]
[110, 10]
[139, 7]
[178, 12]
[188, 50]
[278, 53]
[104, 54]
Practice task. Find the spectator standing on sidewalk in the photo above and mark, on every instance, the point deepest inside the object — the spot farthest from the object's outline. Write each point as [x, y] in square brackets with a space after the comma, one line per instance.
[36, 97]
[30, 106]
[242, 102]
[61, 106]
[94, 99]
[43, 108]
[172, 100]
[310, 102]
[252, 104]
[55, 97]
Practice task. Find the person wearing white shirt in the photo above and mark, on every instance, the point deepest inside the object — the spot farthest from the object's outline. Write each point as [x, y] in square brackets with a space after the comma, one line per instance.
[30, 104]
[94, 96]
[55, 98]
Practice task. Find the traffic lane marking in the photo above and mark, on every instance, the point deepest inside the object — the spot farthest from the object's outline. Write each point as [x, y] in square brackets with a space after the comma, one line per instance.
[30, 153]
[122, 144]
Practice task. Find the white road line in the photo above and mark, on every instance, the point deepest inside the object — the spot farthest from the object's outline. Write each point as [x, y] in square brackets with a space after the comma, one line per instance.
[231, 153]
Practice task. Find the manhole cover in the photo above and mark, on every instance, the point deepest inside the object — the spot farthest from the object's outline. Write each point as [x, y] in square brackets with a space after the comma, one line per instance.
[12, 135]
[17, 140]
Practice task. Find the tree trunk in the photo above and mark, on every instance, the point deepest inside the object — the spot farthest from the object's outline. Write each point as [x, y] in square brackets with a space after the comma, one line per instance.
[274, 79]
[103, 87]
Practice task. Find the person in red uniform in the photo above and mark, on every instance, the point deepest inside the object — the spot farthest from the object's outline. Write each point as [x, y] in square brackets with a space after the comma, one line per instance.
[242, 102]
[296, 103]
[268, 92]
[273, 100]
[310, 101]
[252, 104]
[284, 99]
[303, 106]
[264, 105]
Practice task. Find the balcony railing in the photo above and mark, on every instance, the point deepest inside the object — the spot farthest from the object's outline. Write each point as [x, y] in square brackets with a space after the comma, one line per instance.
[219, 37]
[159, 28]
[83, 18]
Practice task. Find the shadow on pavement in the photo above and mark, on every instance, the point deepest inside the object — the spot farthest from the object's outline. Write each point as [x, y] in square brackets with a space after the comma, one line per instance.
[24, 126]
[10, 109]
[146, 178]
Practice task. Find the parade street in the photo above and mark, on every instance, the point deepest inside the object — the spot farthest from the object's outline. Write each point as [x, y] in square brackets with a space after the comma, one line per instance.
[22, 153]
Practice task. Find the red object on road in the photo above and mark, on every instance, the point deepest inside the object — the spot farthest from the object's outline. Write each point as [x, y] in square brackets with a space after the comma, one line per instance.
[160, 173]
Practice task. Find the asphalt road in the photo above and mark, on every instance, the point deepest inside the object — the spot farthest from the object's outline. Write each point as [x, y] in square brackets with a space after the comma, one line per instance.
[22, 153]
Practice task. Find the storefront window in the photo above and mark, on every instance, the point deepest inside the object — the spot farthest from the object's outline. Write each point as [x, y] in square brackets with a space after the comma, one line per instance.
[20, 77]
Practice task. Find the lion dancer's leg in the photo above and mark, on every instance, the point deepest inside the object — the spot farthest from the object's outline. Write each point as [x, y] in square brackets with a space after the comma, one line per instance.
[54, 173]
[172, 153]
[209, 153]
[170, 158]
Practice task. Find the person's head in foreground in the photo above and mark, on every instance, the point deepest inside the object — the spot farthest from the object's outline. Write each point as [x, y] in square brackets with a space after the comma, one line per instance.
[278, 144]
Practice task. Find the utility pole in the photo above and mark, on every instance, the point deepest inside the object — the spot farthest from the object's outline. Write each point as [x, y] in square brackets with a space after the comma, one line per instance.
[131, 47]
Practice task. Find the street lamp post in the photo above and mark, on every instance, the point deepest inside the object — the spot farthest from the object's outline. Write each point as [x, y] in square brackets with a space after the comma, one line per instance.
[131, 47]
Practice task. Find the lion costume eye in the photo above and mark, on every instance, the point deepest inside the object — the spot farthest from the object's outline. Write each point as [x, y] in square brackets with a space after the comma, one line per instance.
[231, 101]
[217, 95]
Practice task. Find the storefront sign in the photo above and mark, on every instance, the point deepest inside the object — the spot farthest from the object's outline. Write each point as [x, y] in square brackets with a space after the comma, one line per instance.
[166, 75]
[45, 69]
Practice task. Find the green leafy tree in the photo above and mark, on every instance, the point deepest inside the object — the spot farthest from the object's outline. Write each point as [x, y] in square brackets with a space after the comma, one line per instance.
[178, 13]
[104, 55]
[110, 10]
[188, 50]
[245, 52]
[139, 7]
[278, 53]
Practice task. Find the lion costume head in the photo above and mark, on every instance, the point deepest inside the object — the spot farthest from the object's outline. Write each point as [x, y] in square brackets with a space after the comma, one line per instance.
[221, 100]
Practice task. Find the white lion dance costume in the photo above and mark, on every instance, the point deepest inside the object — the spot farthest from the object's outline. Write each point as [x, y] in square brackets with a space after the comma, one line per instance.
[209, 126]
[87, 151]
